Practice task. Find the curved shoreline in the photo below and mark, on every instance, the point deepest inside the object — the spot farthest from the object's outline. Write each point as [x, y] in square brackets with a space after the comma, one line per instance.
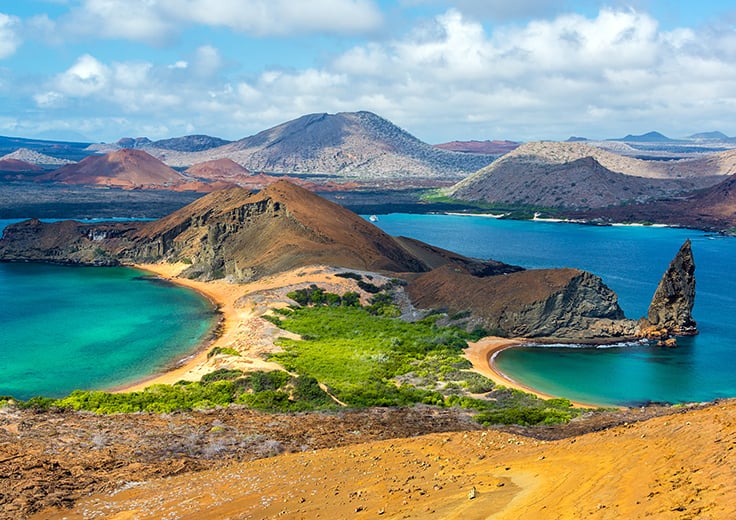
[230, 331]
[227, 333]
[178, 370]
[482, 354]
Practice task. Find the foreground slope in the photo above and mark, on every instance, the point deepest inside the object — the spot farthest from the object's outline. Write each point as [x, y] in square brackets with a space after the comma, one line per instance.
[672, 467]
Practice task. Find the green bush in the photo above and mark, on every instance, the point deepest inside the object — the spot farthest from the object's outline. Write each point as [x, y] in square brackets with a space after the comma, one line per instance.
[223, 374]
[350, 274]
[222, 350]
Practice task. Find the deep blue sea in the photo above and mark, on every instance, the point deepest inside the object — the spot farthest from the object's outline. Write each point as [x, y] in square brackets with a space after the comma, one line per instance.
[63, 328]
[631, 260]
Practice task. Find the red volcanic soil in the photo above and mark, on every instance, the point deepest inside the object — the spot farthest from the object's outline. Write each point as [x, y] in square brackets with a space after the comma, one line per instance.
[122, 168]
[15, 165]
[219, 169]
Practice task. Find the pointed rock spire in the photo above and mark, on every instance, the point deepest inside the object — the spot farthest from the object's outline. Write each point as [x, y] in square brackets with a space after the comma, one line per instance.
[672, 304]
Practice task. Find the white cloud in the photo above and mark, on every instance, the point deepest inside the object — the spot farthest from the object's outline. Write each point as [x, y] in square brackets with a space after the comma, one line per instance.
[280, 17]
[9, 35]
[86, 77]
[499, 10]
[157, 21]
[138, 20]
[207, 61]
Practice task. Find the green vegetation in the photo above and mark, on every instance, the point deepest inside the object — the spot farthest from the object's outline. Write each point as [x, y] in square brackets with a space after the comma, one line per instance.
[222, 350]
[363, 356]
[368, 358]
[314, 295]
[275, 391]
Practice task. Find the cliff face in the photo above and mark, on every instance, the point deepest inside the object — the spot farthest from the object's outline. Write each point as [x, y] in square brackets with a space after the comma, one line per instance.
[562, 303]
[67, 242]
[672, 304]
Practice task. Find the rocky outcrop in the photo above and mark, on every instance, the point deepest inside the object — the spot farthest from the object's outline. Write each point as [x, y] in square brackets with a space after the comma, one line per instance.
[565, 304]
[670, 312]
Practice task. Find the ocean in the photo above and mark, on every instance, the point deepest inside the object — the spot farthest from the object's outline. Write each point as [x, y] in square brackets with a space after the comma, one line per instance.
[631, 260]
[63, 328]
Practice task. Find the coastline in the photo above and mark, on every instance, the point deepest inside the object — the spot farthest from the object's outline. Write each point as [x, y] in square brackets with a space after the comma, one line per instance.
[482, 353]
[241, 328]
[227, 333]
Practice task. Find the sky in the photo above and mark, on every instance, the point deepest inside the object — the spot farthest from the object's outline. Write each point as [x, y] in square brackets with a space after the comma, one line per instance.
[523, 70]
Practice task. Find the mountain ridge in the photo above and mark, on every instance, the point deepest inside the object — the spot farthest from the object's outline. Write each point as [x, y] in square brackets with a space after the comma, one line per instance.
[578, 174]
[242, 236]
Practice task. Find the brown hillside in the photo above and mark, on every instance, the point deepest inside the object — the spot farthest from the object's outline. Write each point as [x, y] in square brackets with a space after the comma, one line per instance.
[218, 169]
[244, 235]
[237, 234]
[122, 168]
[16, 165]
[580, 175]
[528, 303]
[712, 208]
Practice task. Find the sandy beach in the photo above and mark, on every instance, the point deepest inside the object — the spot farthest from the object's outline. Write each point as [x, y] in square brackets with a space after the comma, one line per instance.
[241, 327]
[236, 329]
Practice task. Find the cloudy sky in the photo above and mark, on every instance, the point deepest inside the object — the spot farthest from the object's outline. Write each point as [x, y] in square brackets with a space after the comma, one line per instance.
[441, 69]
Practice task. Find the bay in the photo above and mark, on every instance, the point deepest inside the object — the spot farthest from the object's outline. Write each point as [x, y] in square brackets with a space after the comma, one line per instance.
[63, 328]
[631, 260]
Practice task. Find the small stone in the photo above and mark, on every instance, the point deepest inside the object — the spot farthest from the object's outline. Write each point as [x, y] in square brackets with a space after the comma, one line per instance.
[472, 493]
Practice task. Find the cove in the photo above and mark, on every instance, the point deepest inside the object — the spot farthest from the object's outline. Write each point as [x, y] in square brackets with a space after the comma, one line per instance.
[631, 260]
[66, 328]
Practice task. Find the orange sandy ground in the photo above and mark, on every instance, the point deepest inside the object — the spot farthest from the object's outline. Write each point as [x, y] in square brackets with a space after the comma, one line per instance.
[674, 467]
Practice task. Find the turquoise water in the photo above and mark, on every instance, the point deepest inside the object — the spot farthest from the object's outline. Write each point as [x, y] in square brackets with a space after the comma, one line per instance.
[63, 328]
[631, 261]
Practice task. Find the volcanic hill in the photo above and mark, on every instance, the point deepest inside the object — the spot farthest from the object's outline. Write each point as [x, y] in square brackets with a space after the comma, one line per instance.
[16, 165]
[126, 168]
[579, 175]
[242, 236]
[346, 144]
[711, 208]
[218, 169]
